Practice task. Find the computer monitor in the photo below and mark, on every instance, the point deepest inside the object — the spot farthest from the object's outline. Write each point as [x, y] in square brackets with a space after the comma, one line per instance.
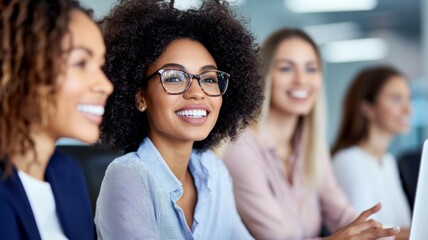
[419, 228]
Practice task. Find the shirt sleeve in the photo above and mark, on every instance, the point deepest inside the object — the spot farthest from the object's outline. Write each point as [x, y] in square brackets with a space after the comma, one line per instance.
[255, 202]
[336, 209]
[123, 209]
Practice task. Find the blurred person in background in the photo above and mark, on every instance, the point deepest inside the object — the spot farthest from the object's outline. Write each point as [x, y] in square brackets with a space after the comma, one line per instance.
[51, 86]
[376, 108]
[283, 180]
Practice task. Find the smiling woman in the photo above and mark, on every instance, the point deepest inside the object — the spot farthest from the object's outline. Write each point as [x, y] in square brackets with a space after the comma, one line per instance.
[52, 86]
[283, 180]
[82, 88]
[376, 108]
[189, 116]
[185, 80]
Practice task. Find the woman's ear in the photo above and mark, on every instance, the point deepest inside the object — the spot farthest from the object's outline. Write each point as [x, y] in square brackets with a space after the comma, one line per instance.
[140, 101]
[367, 109]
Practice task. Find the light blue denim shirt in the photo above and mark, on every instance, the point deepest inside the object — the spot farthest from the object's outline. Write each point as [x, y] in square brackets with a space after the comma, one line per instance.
[139, 193]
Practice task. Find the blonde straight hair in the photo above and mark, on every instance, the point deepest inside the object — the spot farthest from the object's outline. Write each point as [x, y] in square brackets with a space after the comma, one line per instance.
[313, 140]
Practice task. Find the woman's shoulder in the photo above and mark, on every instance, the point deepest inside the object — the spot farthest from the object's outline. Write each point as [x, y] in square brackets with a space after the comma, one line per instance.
[129, 171]
[350, 158]
[62, 160]
[247, 153]
[126, 162]
[390, 161]
[66, 166]
[348, 154]
[126, 159]
[247, 142]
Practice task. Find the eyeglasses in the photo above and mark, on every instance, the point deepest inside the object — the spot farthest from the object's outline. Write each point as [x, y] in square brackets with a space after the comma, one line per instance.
[174, 81]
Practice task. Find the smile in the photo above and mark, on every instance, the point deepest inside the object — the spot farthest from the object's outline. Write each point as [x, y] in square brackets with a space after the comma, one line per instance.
[97, 110]
[196, 113]
[300, 94]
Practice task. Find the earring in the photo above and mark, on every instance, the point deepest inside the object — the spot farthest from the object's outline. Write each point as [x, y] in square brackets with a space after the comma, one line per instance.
[142, 108]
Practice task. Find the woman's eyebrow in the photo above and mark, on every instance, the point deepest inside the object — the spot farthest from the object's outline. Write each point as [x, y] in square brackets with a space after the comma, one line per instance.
[176, 65]
[208, 67]
[173, 65]
[83, 48]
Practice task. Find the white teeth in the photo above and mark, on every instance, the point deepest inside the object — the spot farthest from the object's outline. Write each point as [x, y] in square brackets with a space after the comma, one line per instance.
[299, 93]
[192, 113]
[91, 109]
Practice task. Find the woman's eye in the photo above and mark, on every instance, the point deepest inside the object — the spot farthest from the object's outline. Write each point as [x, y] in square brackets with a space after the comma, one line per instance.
[173, 76]
[172, 79]
[80, 64]
[210, 80]
[285, 69]
[311, 69]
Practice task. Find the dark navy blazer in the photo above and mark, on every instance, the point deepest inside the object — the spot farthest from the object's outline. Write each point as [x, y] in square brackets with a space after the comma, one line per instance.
[71, 197]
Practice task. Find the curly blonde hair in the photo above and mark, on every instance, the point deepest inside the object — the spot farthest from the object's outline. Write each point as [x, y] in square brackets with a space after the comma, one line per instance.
[31, 32]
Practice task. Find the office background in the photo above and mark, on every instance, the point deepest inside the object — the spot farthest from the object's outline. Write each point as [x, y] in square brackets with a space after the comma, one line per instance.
[352, 35]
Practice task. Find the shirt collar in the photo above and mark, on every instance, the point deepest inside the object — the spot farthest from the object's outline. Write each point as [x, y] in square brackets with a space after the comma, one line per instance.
[199, 169]
[157, 166]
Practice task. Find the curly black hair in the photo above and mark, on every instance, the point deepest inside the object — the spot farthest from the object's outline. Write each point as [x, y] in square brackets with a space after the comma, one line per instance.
[137, 32]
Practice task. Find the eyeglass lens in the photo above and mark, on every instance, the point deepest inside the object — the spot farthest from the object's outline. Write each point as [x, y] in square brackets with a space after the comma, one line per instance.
[177, 81]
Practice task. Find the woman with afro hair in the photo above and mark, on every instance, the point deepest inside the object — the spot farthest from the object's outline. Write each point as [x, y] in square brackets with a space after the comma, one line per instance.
[184, 80]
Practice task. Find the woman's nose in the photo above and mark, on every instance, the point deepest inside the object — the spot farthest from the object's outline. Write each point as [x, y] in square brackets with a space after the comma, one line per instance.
[195, 91]
[103, 84]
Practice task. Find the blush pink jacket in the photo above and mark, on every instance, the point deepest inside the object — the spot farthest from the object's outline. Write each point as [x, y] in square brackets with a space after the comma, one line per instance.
[270, 206]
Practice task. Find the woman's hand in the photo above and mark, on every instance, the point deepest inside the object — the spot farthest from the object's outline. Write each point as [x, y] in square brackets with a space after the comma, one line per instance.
[362, 228]
[404, 234]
